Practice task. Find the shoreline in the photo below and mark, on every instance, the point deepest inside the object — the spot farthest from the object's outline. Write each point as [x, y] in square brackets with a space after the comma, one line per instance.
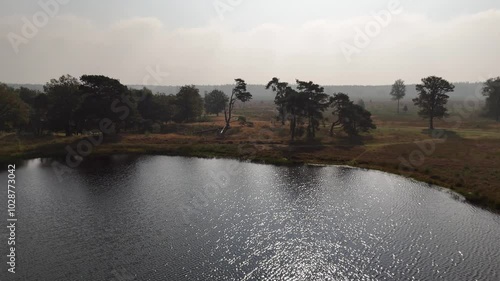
[228, 151]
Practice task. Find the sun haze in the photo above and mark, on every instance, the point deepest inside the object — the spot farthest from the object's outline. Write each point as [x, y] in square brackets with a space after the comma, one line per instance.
[211, 42]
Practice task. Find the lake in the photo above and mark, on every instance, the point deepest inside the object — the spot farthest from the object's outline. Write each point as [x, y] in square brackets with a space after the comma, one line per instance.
[174, 218]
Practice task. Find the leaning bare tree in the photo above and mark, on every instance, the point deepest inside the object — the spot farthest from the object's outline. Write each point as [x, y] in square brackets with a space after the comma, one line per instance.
[239, 93]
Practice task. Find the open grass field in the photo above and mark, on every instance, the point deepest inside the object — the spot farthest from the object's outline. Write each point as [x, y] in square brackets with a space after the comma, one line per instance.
[463, 154]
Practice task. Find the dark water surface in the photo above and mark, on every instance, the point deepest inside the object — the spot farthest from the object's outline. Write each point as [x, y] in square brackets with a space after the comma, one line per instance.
[173, 218]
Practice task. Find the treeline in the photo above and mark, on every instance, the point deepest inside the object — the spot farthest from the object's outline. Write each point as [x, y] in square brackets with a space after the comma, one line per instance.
[432, 97]
[78, 106]
[97, 103]
[378, 93]
[462, 91]
[304, 108]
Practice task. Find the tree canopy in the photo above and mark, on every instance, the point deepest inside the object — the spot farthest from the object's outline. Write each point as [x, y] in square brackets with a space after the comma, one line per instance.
[352, 118]
[306, 105]
[215, 102]
[357, 120]
[280, 89]
[189, 104]
[103, 98]
[398, 91]
[491, 91]
[315, 101]
[64, 100]
[432, 98]
[75, 106]
[14, 113]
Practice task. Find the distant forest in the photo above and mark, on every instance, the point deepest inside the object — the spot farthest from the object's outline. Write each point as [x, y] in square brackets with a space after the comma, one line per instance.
[259, 93]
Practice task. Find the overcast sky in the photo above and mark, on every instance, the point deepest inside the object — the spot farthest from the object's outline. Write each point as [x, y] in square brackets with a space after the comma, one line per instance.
[215, 41]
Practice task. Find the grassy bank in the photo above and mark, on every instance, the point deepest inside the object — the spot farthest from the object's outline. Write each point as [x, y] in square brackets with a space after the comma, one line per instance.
[465, 159]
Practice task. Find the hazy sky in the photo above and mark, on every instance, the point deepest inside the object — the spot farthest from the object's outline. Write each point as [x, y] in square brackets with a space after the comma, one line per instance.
[215, 41]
